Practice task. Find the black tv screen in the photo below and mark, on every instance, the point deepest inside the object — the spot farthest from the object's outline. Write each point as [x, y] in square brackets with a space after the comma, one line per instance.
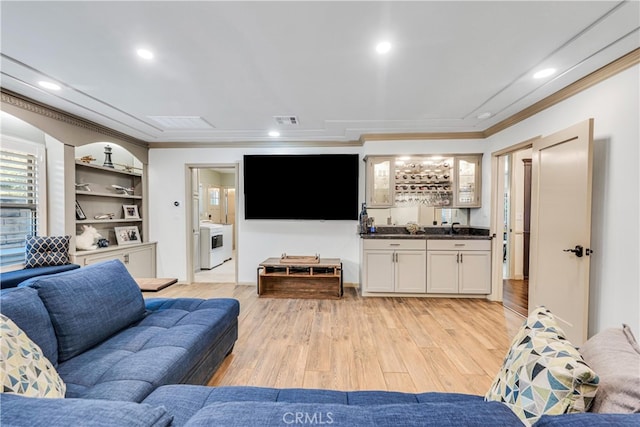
[310, 187]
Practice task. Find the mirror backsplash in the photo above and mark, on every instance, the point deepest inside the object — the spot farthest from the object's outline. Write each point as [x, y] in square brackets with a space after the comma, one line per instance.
[426, 216]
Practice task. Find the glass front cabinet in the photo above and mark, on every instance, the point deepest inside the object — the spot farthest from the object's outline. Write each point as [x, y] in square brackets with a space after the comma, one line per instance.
[468, 181]
[379, 182]
[452, 181]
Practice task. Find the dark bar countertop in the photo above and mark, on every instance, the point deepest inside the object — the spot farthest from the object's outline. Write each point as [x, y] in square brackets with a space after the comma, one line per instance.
[430, 233]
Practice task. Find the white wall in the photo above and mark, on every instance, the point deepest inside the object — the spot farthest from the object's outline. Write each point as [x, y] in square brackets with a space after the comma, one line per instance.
[258, 240]
[614, 105]
[615, 278]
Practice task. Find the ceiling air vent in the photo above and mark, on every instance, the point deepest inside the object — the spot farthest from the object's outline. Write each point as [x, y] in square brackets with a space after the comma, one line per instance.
[181, 122]
[286, 120]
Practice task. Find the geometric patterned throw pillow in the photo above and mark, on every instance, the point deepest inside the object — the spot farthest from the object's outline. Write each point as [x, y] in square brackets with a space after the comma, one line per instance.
[543, 373]
[24, 369]
[45, 251]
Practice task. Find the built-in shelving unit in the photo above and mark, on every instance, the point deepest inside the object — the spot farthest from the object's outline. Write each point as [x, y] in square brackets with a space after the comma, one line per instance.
[102, 198]
[107, 198]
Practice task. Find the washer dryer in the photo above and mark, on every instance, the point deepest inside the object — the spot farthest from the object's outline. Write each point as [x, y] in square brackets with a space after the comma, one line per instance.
[211, 246]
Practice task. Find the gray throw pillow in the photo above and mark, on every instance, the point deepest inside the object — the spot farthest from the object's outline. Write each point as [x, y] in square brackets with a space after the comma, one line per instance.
[614, 355]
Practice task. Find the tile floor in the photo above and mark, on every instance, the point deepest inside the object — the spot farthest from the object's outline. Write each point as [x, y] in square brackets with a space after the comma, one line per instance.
[225, 273]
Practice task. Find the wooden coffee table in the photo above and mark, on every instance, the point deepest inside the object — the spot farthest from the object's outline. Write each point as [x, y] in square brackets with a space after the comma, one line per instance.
[285, 280]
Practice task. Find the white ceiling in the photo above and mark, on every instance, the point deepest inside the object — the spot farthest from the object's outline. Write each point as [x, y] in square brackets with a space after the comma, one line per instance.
[238, 64]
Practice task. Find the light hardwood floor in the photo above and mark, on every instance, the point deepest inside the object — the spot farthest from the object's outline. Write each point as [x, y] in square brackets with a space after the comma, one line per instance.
[355, 343]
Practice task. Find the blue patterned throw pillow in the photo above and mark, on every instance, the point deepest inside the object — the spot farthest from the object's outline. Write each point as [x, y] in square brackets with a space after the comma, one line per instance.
[543, 373]
[25, 369]
[46, 251]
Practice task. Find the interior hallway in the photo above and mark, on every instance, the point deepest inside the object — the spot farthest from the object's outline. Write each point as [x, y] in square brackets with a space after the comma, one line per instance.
[515, 295]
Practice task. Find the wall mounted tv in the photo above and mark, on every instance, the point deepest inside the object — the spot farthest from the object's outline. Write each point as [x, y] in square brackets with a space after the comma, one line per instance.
[308, 187]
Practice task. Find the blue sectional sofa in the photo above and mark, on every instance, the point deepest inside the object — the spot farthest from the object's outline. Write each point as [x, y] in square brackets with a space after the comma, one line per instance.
[95, 328]
[186, 405]
[126, 363]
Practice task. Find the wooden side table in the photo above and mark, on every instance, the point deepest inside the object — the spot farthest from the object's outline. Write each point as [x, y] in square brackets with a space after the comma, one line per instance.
[320, 280]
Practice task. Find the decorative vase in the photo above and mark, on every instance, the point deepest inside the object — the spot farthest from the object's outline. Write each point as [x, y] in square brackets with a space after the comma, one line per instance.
[107, 157]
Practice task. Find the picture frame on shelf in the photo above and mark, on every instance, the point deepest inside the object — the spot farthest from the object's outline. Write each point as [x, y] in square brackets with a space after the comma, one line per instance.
[79, 212]
[131, 212]
[127, 235]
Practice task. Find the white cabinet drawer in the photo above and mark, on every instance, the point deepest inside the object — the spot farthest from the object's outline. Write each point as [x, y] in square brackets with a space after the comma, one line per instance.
[394, 244]
[459, 245]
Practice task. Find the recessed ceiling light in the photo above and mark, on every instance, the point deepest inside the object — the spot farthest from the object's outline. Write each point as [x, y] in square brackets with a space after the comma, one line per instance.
[383, 47]
[49, 85]
[484, 115]
[145, 53]
[544, 73]
[274, 133]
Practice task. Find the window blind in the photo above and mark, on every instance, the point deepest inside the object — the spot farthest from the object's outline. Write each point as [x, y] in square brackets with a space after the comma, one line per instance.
[18, 203]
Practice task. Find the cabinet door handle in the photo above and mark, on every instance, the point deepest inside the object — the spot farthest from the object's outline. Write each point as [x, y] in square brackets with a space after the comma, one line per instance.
[394, 244]
[126, 258]
[460, 258]
[457, 258]
[459, 244]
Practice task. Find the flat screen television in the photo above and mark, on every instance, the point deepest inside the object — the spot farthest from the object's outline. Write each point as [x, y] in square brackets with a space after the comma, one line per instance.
[308, 187]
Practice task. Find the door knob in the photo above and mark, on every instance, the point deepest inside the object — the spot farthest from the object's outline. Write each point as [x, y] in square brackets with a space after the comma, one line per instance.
[578, 251]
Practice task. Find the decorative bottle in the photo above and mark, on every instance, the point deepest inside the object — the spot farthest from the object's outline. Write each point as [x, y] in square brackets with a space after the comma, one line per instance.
[364, 220]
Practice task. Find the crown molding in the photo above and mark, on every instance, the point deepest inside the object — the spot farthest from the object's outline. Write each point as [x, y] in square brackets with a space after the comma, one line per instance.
[32, 106]
[630, 59]
[256, 144]
[367, 137]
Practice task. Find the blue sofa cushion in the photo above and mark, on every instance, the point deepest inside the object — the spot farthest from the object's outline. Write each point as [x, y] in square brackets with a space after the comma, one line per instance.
[25, 308]
[590, 419]
[479, 414]
[45, 412]
[11, 279]
[184, 401]
[161, 349]
[90, 304]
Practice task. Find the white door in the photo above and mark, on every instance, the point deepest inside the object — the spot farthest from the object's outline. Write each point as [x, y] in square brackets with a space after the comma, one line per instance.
[561, 221]
[195, 220]
[195, 233]
[411, 271]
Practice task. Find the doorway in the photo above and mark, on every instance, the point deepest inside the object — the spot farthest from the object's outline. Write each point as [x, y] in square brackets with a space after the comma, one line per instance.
[213, 240]
[512, 226]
